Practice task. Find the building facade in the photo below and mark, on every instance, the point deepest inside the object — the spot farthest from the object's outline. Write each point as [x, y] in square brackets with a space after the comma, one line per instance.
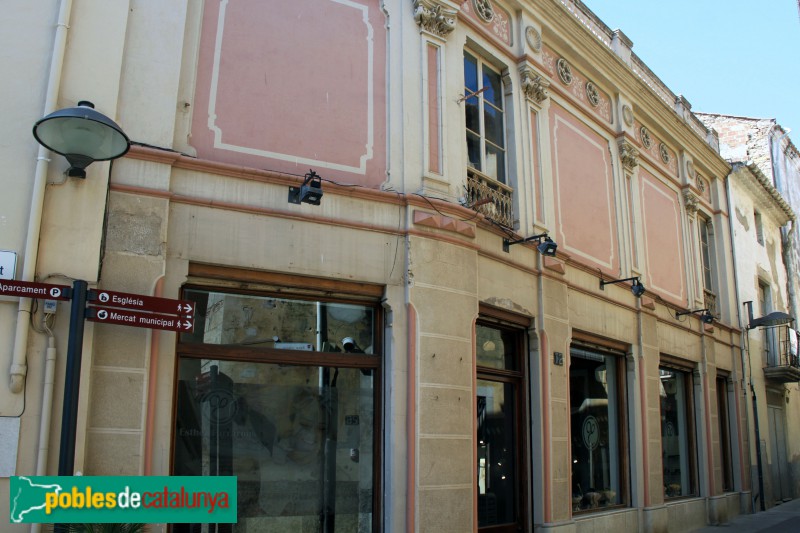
[405, 350]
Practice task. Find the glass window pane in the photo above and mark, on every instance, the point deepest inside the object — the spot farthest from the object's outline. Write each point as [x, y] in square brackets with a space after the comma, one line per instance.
[299, 440]
[496, 348]
[494, 92]
[472, 114]
[493, 123]
[595, 426]
[470, 74]
[474, 150]
[675, 434]
[280, 323]
[496, 453]
[495, 163]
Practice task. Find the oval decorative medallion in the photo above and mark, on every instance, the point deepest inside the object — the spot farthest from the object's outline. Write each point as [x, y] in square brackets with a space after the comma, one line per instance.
[592, 94]
[644, 134]
[484, 9]
[627, 115]
[564, 71]
[534, 39]
[662, 150]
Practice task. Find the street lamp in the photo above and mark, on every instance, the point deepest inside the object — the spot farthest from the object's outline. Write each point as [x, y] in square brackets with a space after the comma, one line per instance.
[82, 135]
[776, 318]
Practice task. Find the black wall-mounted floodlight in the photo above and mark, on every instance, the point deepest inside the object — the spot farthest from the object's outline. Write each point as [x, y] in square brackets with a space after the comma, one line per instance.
[82, 135]
[310, 192]
[706, 315]
[546, 246]
[636, 288]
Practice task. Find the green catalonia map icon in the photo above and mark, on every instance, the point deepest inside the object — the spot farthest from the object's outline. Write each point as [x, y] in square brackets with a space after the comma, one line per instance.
[28, 500]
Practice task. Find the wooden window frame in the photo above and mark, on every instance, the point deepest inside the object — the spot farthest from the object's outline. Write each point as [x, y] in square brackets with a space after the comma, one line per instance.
[245, 282]
[691, 424]
[517, 325]
[726, 452]
[481, 64]
[606, 347]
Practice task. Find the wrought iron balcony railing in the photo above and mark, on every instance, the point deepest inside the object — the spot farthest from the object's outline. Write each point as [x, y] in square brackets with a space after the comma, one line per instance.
[490, 198]
[781, 361]
[710, 302]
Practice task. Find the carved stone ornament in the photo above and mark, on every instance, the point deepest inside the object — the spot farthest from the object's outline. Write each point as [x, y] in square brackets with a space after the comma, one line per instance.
[533, 85]
[691, 201]
[701, 184]
[628, 154]
[434, 18]
[564, 71]
[484, 9]
[627, 115]
[534, 39]
[644, 134]
[664, 153]
[592, 94]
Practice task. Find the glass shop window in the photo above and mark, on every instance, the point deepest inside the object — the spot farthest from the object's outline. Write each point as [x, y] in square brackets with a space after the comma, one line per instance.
[282, 393]
[677, 433]
[596, 401]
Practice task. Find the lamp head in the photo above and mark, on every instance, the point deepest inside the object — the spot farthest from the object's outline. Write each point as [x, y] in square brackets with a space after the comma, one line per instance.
[637, 288]
[82, 135]
[310, 192]
[547, 247]
[707, 317]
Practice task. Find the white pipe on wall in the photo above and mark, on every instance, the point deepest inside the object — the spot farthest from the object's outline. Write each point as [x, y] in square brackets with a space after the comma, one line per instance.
[19, 366]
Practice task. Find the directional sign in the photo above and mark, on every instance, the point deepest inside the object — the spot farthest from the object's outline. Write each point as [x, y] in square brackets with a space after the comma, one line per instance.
[109, 315]
[30, 289]
[139, 302]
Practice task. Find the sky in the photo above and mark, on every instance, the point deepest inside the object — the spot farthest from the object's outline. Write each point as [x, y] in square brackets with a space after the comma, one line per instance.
[732, 57]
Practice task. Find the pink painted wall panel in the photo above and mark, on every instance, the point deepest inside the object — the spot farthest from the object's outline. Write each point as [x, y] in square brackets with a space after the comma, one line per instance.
[295, 85]
[661, 225]
[434, 118]
[584, 192]
[537, 178]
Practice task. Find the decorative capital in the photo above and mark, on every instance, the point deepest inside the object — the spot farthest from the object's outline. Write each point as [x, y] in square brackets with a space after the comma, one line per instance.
[434, 17]
[534, 85]
[628, 154]
[691, 201]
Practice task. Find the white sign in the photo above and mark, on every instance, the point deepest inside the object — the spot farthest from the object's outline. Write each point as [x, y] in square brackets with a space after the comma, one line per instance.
[8, 264]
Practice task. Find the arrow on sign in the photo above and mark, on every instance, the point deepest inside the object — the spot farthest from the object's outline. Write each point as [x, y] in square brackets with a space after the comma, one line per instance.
[139, 319]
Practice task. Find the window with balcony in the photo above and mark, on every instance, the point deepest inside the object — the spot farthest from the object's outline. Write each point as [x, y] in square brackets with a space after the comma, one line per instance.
[706, 231]
[485, 118]
[487, 179]
[678, 455]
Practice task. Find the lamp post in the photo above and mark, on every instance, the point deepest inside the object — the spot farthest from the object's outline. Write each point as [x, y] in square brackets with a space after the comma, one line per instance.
[83, 136]
[776, 318]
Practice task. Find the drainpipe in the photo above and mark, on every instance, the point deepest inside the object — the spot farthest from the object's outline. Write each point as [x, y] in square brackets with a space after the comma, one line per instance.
[47, 410]
[19, 366]
[744, 331]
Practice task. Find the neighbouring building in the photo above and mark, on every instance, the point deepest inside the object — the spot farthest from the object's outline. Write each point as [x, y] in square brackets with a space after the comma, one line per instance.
[458, 265]
[766, 171]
